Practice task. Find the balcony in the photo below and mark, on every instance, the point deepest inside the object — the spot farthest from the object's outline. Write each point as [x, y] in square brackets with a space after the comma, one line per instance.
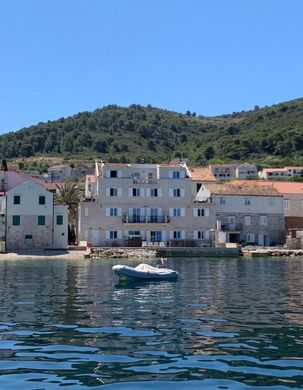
[138, 180]
[236, 227]
[145, 219]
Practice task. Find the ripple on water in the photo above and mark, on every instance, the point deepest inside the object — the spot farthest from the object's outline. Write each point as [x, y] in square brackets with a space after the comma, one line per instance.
[228, 323]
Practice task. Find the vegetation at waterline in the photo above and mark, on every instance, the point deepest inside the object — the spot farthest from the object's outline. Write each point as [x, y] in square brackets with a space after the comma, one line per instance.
[269, 136]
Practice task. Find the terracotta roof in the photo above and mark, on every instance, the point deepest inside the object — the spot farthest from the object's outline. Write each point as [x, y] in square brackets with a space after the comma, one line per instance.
[91, 178]
[268, 170]
[244, 189]
[222, 165]
[202, 174]
[293, 167]
[53, 186]
[283, 187]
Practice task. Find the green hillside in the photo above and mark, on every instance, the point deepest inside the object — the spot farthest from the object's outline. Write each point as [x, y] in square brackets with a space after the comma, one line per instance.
[271, 135]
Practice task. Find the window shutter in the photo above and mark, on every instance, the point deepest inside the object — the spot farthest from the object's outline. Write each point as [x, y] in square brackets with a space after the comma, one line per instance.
[108, 212]
[182, 192]
[195, 235]
[107, 173]
[206, 234]
[171, 212]
[182, 174]
[119, 210]
[182, 212]
[119, 173]
[148, 191]
[171, 235]
[119, 234]
[159, 192]
[195, 212]
[86, 211]
[183, 235]
[170, 174]
[206, 212]
[130, 192]
[142, 192]
[107, 191]
[119, 191]
[107, 234]
[171, 192]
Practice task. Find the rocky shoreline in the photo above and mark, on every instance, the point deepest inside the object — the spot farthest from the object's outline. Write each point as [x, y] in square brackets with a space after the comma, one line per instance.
[118, 253]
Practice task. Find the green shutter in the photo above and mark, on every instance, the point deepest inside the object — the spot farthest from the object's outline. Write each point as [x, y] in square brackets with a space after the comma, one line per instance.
[16, 220]
[41, 219]
[59, 220]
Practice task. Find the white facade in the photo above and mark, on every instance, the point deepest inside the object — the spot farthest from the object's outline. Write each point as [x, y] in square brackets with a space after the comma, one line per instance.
[59, 174]
[27, 213]
[246, 171]
[60, 223]
[144, 202]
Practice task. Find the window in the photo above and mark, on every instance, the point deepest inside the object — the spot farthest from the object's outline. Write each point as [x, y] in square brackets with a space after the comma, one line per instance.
[113, 192]
[176, 175]
[85, 211]
[250, 237]
[113, 235]
[177, 235]
[16, 220]
[113, 174]
[222, 200]
[136, 191]
[41, 199]
[176, 192]
[113, 211]
[177, 212]
[59, 220]
[200, 212]
[17, 199]
[286, 203]
[263, 220]
[200, 235]
[154, 192]
[247, 220]
[247, 202]
[41, 220]
[28, 237]
[133, 233]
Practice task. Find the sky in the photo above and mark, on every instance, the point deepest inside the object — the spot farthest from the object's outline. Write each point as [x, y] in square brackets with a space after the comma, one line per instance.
[212, 57]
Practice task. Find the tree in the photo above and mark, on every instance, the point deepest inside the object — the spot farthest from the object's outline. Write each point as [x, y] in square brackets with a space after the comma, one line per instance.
[70, 195]
[209, 152]
[100, 146]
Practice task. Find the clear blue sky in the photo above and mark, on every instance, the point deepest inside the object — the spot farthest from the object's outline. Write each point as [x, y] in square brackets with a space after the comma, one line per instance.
[61, 57]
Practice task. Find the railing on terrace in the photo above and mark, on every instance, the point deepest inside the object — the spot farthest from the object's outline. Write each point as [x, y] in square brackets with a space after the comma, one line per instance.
[231, 227]
[145, 219]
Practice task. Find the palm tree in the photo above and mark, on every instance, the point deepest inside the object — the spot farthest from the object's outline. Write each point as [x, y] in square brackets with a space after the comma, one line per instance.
[70, 195]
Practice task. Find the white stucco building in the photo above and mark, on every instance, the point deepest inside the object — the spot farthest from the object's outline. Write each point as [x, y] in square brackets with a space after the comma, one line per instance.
[29, 218]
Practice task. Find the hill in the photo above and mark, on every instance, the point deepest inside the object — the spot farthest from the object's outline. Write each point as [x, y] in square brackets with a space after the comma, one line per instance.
[270, 135]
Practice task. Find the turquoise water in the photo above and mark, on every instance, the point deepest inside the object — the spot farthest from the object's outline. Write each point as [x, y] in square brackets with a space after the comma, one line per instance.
[225, 324]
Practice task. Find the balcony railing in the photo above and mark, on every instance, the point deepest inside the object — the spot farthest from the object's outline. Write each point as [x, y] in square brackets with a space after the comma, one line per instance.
[145, 219]
[138, 180]
[231, 227]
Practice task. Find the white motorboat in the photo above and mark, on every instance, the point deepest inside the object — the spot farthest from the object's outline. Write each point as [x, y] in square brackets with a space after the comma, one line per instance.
[144, 272]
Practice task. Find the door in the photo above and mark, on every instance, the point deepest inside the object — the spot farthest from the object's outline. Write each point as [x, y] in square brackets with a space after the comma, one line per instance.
[263, 240]
[232, 222]
[95, 237]
[153, 215]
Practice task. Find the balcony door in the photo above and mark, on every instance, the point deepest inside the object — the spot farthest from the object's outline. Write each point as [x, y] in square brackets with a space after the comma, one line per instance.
[232, 222]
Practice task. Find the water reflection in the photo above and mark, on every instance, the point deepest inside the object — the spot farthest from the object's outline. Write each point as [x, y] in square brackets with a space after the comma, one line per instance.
[229, 322]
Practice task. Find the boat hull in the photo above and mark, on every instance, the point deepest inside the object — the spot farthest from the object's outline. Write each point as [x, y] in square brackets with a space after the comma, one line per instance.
[144, 272]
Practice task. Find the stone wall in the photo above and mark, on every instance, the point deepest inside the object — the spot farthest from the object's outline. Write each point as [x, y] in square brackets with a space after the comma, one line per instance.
[28, 234]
